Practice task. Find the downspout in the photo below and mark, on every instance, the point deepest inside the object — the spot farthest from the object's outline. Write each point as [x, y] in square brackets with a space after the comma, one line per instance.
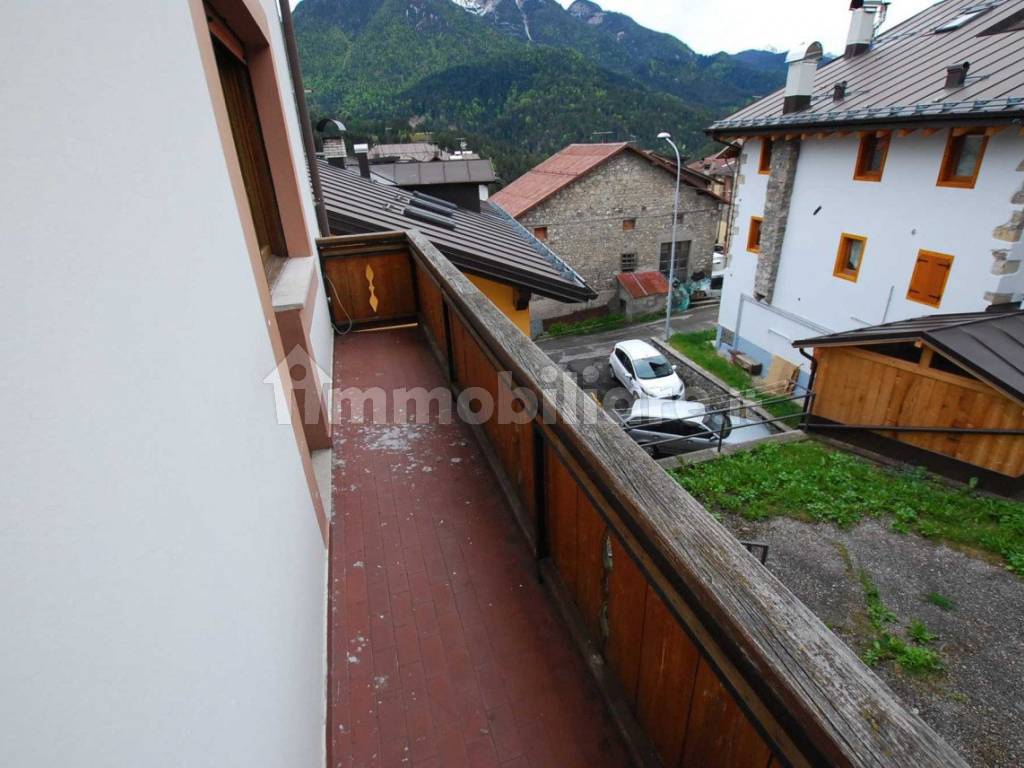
[730, 215]
[809, 400]
[305, 126]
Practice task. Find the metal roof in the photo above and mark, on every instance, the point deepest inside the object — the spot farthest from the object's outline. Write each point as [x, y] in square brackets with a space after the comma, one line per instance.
[571, 164]
[903, 77]
[988, 344]
[642, 284]
[437, 172]
[490, 244]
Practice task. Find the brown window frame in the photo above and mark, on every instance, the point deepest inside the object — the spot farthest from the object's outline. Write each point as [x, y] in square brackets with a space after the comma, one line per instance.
[628, 225]
[951, 158]
[541, 233]
[764, 165]
[251, 147]
[842, 256]
[756, 225]
[864, 153]
[920, 294]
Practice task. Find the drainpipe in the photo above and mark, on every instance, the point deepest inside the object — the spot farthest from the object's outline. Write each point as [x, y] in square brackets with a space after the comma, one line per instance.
[731, 208]
[809, 400]
[292, 52]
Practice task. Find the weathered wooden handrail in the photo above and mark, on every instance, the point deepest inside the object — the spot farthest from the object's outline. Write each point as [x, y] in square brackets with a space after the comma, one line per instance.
[727, 667]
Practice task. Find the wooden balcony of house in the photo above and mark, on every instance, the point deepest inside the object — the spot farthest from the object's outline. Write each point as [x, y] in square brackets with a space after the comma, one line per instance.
[534, 589]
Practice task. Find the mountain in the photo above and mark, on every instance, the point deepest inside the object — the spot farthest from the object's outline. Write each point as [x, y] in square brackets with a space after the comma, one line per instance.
[519, 79]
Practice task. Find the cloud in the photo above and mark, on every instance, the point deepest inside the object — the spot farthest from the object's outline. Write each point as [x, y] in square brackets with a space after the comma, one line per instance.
[709, 26]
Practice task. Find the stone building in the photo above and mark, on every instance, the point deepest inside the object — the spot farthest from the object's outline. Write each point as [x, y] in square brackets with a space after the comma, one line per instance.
[606, 209]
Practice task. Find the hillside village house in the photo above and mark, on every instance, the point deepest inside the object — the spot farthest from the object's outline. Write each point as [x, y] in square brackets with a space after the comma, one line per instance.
[607, 209]
[218, 552]
[498, 255]
[885, 185]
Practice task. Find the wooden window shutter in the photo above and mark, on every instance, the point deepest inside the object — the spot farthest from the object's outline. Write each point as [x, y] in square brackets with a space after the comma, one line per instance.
[252, 152]
[931, 273]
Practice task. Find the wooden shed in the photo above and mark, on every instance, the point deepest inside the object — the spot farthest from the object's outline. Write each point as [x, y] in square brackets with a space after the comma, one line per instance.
[946, 391]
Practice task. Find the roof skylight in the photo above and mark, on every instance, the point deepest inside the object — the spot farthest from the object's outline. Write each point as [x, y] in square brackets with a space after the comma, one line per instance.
[966, 17]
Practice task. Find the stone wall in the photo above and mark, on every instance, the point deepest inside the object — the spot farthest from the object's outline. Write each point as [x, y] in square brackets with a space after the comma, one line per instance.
[585, 224]
[785, 155]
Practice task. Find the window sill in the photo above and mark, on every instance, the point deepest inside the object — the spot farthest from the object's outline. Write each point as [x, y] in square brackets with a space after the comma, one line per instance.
[290, 288]
[956, 184]
[845, 276]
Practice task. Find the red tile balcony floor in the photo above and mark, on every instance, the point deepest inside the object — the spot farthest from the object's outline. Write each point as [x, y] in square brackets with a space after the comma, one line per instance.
[444, 649]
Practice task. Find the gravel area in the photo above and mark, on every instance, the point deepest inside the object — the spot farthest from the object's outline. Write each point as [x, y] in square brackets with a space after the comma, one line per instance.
[977, 704]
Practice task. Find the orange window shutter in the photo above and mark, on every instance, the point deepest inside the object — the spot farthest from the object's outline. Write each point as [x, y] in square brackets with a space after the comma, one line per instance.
[920, 278]
[931, 273]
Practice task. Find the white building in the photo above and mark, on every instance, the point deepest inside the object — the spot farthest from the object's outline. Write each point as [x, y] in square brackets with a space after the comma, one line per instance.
[162, 534]
[885, 185]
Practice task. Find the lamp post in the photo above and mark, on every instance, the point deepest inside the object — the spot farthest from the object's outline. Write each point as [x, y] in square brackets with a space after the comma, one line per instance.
[675, 223]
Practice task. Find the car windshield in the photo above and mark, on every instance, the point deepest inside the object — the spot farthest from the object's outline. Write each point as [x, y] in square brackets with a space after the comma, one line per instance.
[653, 368]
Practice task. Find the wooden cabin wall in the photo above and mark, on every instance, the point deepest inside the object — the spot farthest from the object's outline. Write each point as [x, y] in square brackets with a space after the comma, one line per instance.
[855, 386]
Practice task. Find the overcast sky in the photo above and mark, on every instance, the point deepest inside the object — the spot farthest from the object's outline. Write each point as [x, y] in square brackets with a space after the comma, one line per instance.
[709, 26]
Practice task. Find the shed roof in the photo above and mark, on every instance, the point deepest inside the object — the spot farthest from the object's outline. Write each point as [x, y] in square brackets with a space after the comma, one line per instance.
[437, 172]
[903, 77]
[489, 244]
[570, 165]
[639, 285]
[988, 344]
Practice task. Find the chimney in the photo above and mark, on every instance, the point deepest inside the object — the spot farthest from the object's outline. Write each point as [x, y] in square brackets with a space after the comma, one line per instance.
[957, 76]
[839, 92]
[332, 133]
[363, 157]
[803, 64]
[866, 17]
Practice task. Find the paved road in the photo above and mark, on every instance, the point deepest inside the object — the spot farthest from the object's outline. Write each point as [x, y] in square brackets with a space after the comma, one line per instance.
[587, 356]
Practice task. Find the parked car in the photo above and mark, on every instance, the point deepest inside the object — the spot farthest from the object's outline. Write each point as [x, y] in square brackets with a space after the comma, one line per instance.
[671, 427]
[644, 371]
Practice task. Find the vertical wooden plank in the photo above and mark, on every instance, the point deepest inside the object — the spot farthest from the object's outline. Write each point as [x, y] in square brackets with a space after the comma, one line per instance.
[627, 603]
[668, 670]
[561, 512]
[718, 734]
[525, 473]
[590, 532]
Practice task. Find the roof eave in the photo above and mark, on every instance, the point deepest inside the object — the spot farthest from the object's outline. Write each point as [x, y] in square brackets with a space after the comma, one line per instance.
[1003, 117]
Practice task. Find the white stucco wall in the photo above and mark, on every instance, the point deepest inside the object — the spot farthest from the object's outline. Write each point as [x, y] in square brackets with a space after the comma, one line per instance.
[900, 215]
[742, 265]
[162, 571]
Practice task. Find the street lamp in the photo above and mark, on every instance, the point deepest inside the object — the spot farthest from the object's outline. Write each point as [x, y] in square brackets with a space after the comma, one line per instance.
[675, 222]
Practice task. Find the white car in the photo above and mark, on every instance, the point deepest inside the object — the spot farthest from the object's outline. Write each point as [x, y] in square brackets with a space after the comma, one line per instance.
[671, 427]
[644, 371]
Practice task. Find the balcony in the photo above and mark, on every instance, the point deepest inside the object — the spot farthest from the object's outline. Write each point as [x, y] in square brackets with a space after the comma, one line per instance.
[522, 585]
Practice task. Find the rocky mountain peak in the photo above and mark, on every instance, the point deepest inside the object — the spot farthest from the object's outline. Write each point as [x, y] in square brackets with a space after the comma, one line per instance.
[584, 10]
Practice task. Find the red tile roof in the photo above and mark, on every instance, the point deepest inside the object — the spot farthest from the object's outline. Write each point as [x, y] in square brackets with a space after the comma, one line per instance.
[642, 284]
[571, 164]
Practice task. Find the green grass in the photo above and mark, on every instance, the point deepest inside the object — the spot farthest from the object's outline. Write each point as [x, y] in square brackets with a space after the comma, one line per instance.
[913, 657]
[699, 347]
[811, 482]
[940, 600]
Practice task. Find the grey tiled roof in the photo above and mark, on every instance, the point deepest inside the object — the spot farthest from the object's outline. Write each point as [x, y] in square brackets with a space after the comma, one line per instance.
[902, 78]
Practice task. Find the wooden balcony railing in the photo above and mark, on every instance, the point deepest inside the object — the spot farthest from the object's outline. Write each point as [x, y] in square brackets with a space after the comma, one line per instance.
[705, 658]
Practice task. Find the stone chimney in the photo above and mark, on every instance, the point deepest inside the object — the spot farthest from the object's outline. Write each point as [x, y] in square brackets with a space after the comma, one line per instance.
[803, 63]
[865, 18]
[332, 134]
